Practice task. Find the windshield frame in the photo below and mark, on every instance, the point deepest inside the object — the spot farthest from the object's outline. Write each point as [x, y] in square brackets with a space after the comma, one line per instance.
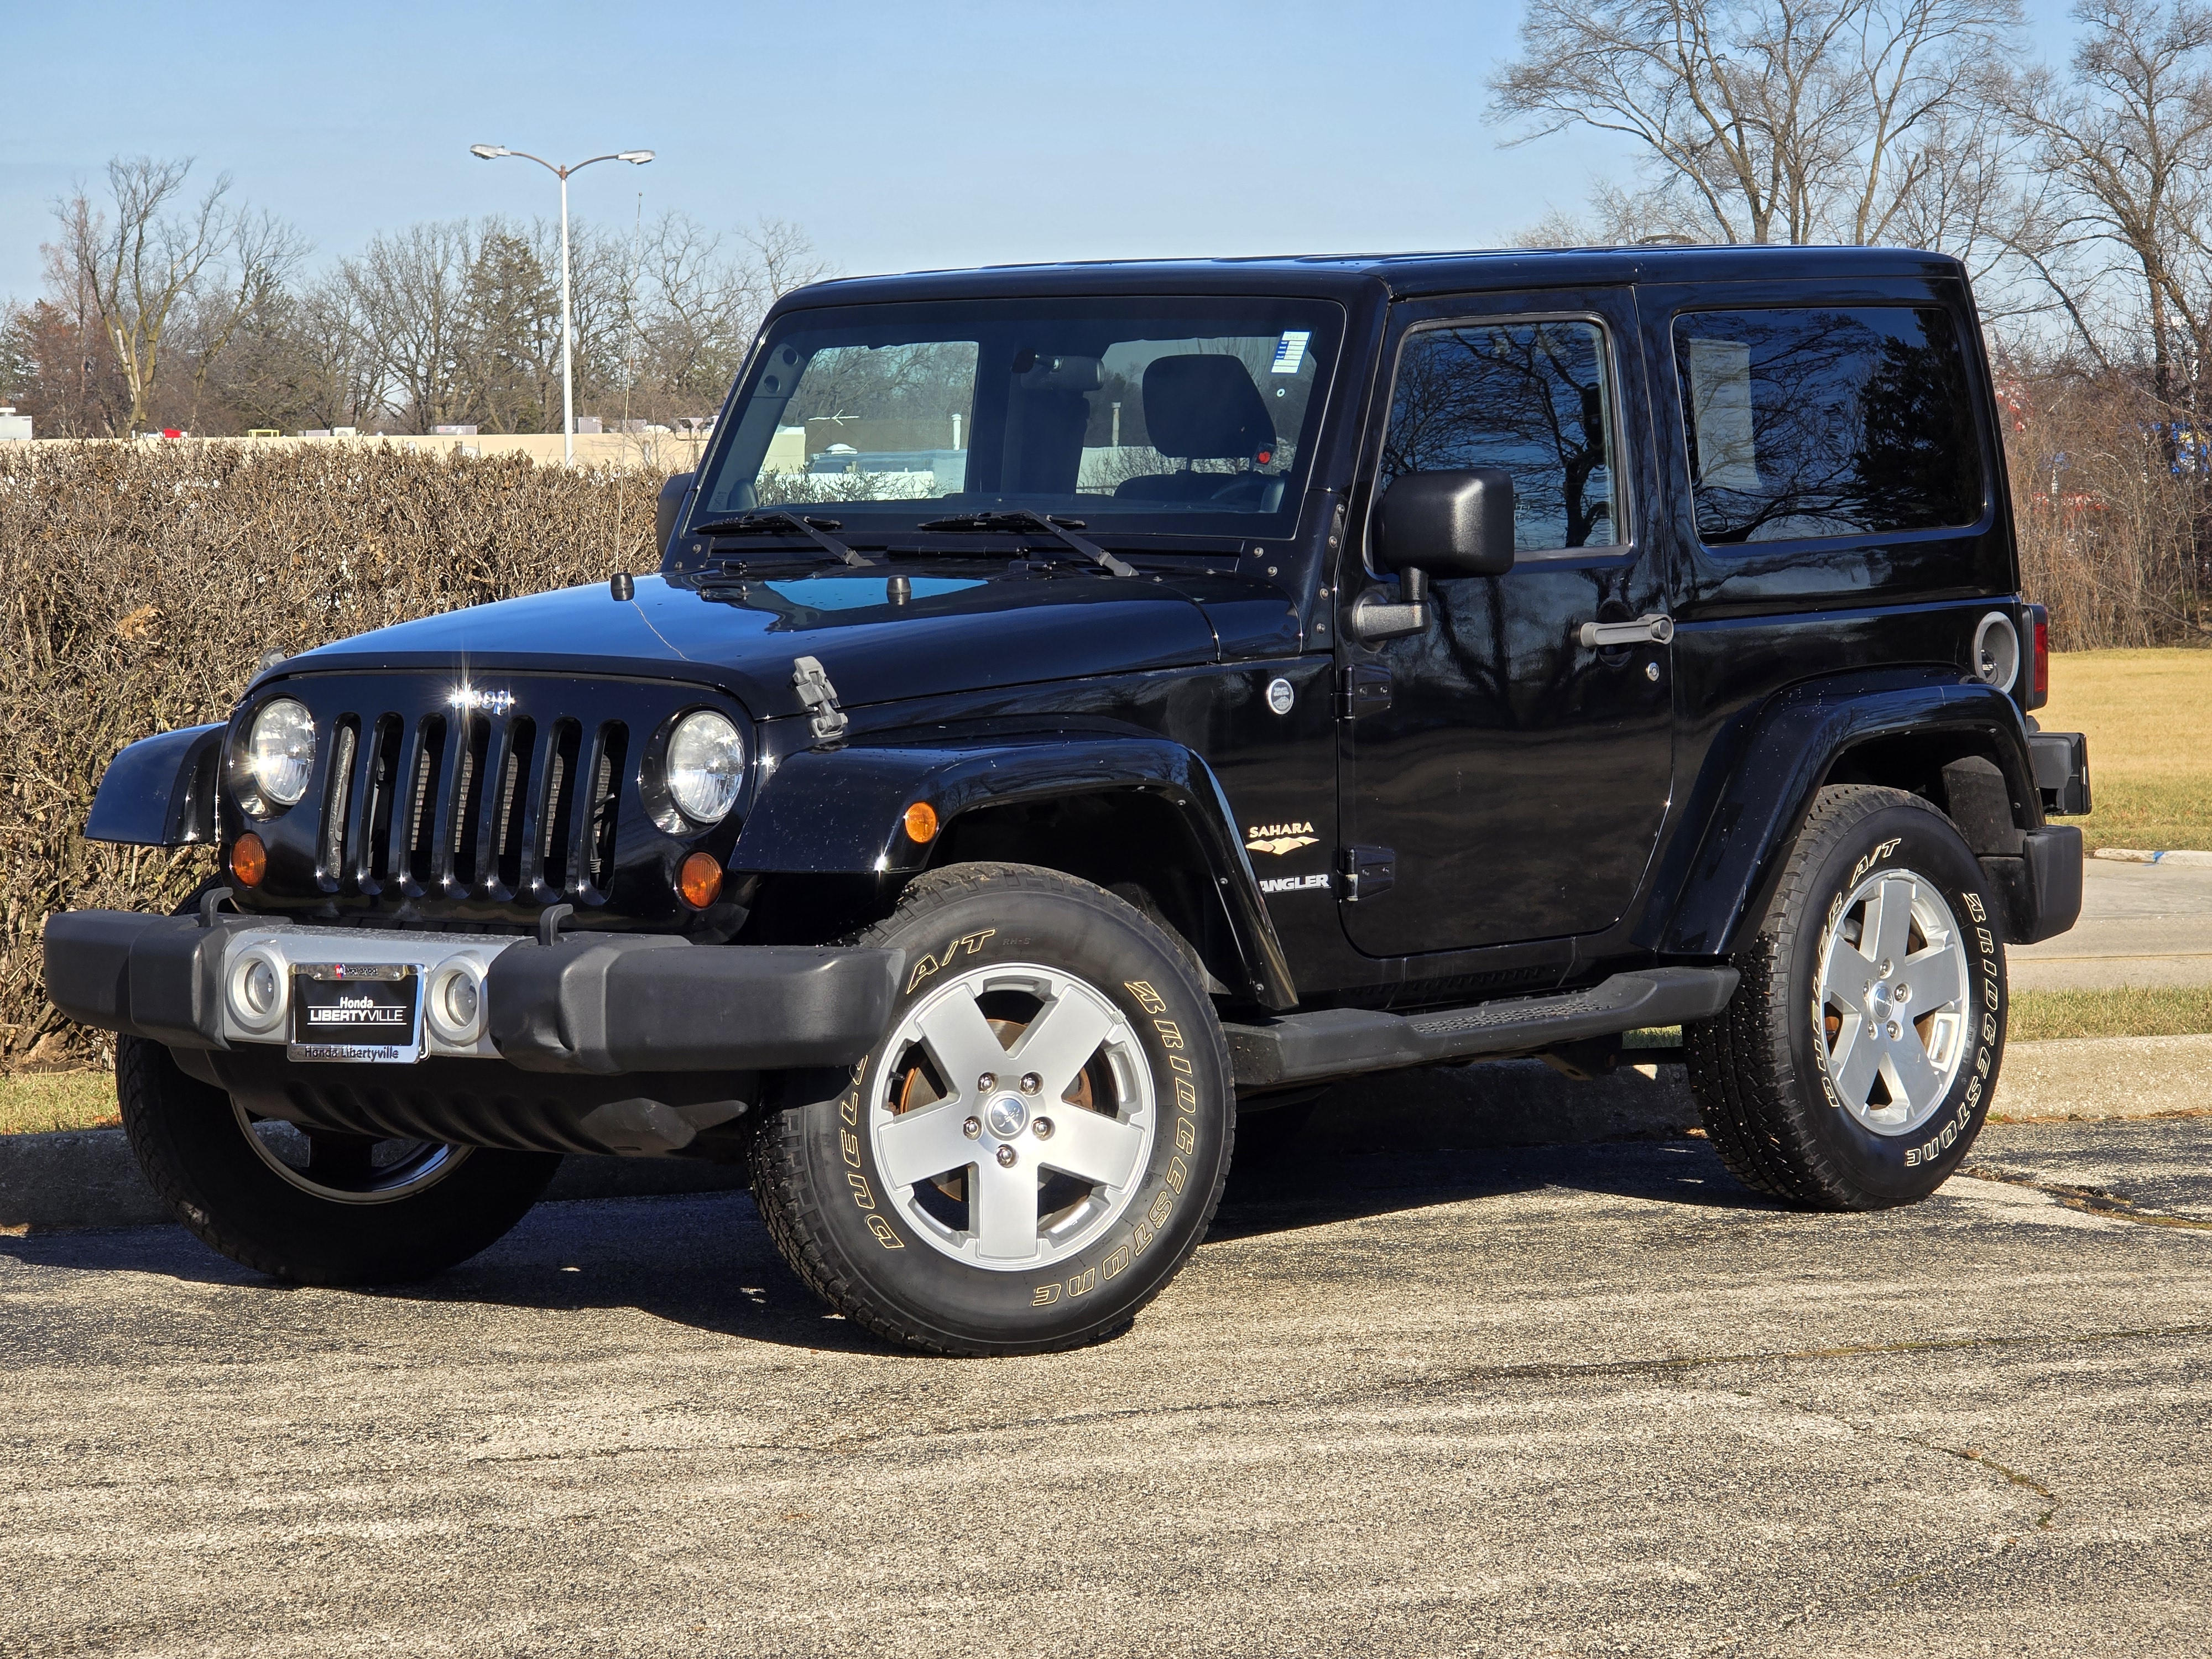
[883, 524]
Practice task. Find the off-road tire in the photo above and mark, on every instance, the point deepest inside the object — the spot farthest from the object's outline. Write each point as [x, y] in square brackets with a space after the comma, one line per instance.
[192, 1146]
[1756, 1069]
[825, 1197]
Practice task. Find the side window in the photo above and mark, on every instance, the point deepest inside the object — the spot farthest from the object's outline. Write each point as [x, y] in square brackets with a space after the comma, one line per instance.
[1806, 422]
[1533, 397]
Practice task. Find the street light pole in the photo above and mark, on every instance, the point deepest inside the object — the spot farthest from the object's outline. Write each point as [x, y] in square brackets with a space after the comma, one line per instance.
[636, 158]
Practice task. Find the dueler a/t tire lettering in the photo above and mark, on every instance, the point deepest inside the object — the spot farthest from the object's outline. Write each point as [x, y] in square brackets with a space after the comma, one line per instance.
[907, 1258]
[1765, 1083]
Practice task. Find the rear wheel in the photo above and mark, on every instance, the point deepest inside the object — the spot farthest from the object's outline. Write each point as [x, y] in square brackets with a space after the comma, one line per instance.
[1039, 1139]
[314, 1208]
[1855, 1064]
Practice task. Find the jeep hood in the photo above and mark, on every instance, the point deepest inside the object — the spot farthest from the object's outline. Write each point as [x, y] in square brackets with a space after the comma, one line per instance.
[959, 630]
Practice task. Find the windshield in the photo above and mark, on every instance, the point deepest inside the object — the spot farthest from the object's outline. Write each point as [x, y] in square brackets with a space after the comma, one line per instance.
[1133, 415]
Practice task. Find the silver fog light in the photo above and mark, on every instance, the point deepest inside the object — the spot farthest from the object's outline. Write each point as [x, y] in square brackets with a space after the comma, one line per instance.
[456, 1003]
[256, 991]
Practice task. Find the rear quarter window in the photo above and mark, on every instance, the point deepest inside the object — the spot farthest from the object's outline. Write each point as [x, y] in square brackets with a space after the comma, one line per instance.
[1805, 423]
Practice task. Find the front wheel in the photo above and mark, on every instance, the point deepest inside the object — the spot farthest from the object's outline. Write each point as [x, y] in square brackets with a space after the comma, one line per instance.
[307, 1207]
[1038, 1142]
[1855, 1064]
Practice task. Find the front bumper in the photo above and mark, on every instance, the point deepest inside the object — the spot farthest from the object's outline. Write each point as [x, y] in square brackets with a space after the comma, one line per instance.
[592, 1005]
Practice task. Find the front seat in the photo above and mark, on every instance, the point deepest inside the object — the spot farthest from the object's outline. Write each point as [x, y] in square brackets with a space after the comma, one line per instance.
[1207, 409]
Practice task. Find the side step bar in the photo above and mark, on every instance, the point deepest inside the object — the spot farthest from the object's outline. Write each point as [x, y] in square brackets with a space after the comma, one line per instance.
[1334, 1043]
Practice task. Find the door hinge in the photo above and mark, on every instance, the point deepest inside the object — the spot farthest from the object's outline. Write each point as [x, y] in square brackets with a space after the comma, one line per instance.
[1362, 688]
[820, 698]
[1364, 871]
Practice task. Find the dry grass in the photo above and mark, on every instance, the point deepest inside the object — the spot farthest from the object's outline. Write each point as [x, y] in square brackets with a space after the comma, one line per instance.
[2149, 716]
[2162, 1011]
[39, 1103]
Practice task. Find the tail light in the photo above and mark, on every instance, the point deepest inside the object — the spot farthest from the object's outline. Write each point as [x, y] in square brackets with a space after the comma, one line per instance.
[2039, 684]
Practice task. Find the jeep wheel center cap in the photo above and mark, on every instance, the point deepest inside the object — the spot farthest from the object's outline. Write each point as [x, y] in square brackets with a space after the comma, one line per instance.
[1006, 1116]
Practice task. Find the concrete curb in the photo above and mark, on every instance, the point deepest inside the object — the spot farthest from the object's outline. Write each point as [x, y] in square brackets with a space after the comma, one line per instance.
[89, 1178]
[2095, 1077]
[2131, 855]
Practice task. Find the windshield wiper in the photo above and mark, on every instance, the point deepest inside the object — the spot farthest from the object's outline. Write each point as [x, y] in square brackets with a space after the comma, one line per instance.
[1022, 519]
[780, 523]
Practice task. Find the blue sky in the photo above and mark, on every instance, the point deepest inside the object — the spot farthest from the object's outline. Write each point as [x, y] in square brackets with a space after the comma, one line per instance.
[899, 135]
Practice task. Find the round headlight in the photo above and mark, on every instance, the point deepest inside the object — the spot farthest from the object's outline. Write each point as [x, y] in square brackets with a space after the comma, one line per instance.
[280, 751]
[706, 765]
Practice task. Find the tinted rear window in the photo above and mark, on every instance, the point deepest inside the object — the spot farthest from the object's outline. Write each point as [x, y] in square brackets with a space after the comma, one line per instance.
[1805, 423]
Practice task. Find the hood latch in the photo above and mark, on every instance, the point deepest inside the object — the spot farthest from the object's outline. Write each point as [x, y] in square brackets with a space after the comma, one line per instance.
[820, 698]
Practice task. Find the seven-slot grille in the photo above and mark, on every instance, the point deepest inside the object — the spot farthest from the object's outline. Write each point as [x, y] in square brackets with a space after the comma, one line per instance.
[465, 802]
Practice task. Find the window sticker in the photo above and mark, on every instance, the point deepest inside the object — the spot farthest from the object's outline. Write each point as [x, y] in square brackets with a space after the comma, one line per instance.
[1720, 402]
[1290, 351]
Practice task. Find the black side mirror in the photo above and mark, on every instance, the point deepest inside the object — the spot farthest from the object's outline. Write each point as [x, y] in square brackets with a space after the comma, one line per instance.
[670, 504]
[1448, 524]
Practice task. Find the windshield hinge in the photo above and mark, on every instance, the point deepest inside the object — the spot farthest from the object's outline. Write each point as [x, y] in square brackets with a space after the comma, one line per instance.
[1362, 688]
[820, 698]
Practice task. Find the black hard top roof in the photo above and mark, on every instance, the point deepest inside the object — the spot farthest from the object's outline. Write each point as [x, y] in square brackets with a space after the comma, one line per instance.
[1342, 275]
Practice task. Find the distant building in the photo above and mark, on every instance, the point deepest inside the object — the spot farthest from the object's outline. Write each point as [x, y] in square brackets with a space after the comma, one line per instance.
[13, 427]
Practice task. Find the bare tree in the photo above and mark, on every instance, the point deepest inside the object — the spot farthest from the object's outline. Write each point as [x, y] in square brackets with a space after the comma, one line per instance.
[1762, 120]
[262, 253]
[2128, 141]
[408, 287]
[143, 266]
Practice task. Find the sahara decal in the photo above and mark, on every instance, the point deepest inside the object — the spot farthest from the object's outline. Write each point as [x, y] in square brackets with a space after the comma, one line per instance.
[1279, 838]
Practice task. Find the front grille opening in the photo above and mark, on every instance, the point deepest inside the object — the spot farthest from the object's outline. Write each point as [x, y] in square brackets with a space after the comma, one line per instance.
[557, 834]
[513, 793]
[337, 793]
[606, 796]
[422, 799]
[468, 800]
[383, 793]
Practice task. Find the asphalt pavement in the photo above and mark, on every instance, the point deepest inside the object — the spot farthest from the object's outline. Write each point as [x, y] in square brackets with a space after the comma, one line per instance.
[1586, 1399]
[2142, 925]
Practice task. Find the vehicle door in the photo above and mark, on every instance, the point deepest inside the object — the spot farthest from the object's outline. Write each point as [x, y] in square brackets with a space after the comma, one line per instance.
[1503, 778]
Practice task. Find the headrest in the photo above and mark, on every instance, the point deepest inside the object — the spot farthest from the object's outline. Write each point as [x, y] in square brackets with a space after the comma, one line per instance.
[1205, 409]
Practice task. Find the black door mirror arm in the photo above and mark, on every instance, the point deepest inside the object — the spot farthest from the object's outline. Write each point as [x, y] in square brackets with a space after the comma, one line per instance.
[1375, 617]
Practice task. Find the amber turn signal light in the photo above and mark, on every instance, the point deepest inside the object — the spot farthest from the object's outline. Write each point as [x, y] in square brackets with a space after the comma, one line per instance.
[921, 822]
[249, 859]
[699, 880]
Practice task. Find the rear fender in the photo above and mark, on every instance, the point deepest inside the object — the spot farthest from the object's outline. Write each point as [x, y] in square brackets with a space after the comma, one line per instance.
[843, 812]
[160, 791]
[1760, 784]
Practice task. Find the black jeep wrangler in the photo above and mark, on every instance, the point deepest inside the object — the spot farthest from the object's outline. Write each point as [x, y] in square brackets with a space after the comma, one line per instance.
[1080, 706]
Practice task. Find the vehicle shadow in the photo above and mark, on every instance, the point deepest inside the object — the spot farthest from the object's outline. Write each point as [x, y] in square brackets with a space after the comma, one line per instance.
[1368, 1149]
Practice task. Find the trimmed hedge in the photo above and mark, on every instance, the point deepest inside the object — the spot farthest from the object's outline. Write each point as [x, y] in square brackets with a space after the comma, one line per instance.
[142, 585]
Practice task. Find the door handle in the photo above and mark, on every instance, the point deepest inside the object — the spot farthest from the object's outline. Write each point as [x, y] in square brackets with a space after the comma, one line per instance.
[1655, 627]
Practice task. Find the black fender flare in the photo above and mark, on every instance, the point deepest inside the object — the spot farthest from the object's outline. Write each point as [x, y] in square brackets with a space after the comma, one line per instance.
[160, 791]
[1757, 785]
[842, 811]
